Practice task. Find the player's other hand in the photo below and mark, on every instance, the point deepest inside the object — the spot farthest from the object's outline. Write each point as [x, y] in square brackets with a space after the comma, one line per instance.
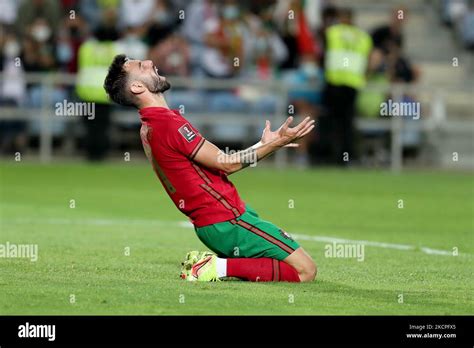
[286, 135]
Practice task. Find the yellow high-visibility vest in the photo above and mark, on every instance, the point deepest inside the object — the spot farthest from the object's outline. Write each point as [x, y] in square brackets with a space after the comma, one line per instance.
[94, 58]
[347, 53]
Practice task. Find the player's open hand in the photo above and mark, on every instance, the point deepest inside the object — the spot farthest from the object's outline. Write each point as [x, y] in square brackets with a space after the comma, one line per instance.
[286, 135]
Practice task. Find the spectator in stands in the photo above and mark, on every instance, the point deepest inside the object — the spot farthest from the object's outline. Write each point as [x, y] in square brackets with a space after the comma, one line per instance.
[223, 51]
[72, 33]
[92, 11]
[39, 48]
[388, 45]
[135, 13]
[12, 92]
[39, 56]
[197, 13]
[264, 49]
[30, 11]
[466, 28]
[163, 21]
[453, 11]
[223, 54]
[459, 15]
[64, 52]
[369, 99]
[386, 68]
[346, 60]
[399, 67]
[388, 39]
[306, 101]
[329, 17]
[108, 27]
[389, 65]
[287, 29]
[400, 70]
[172, 55]
[94, 57]
[64, 47]
[295, 31]
[132, 42]
[390, 35]
[9, 13]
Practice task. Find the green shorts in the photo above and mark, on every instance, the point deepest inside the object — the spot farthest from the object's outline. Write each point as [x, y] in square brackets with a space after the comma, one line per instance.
[247, 236]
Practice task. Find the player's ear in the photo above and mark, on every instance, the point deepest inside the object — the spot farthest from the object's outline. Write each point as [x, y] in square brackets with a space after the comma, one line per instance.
[136, 87]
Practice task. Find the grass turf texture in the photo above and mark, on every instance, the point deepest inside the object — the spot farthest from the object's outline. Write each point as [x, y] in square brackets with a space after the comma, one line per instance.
[82, 250]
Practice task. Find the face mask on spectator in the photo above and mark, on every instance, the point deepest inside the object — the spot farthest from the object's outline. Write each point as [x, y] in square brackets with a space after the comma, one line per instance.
[12, 49]
[230, 12]
[175, 59]
[41, 33]
[64, 53]
[132, 37]
[162, 17]
[261, 45]
[310, 69]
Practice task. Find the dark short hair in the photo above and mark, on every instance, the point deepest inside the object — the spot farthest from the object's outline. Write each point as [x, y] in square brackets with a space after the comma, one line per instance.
[346, 12]
[116, 82]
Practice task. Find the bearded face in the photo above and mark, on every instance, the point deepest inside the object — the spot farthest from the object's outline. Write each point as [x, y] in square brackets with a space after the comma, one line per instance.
[146, 72]
[156, 83]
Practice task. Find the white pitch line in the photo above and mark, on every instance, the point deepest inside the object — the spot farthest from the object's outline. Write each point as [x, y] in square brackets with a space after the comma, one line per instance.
[187, 224]
[350, 241]
[405, 247]
[436, 252]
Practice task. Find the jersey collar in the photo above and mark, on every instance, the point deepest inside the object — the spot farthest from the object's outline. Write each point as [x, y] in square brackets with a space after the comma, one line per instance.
[156, 111]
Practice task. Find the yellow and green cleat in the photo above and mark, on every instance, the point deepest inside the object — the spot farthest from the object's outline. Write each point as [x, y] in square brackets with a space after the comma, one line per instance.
[190, 260]
[200, 266]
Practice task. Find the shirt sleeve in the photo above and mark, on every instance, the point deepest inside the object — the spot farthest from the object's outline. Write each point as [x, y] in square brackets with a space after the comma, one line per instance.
[184, 138]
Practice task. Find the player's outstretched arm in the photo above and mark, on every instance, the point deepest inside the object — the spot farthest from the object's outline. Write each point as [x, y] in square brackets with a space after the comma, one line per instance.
[211, 156]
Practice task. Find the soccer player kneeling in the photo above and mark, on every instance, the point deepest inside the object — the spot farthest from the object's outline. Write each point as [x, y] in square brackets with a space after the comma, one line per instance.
[194, 173]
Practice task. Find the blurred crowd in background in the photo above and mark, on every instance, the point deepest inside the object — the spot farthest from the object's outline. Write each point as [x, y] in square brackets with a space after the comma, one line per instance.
[459, 16]
[282, 40]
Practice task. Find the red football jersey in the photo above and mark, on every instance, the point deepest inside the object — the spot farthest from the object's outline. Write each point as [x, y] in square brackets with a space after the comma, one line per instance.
[170, 142]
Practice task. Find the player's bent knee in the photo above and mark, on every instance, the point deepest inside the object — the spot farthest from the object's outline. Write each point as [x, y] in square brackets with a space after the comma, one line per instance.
[309, 272]
[314, 272]
[304, 265]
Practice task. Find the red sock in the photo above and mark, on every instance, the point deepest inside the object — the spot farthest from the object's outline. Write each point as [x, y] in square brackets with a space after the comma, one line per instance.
[261, 270]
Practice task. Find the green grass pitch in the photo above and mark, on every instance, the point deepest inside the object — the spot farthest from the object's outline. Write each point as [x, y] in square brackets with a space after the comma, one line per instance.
[121, 207]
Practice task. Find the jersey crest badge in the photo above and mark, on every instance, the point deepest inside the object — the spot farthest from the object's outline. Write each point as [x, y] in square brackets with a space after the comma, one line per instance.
[187, 132]
[286, 235]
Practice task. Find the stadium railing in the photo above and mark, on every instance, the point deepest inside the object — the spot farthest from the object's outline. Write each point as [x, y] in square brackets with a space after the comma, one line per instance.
[436, 117]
